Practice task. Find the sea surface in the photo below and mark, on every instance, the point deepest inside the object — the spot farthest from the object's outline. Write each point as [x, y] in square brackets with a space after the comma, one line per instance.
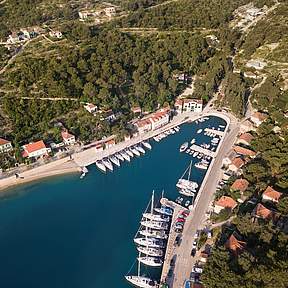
[66, 232]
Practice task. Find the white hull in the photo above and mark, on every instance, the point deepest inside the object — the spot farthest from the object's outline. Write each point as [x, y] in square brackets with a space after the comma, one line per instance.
[135, 151]
[164, 211]
[141, 282]
[150, 261]
[101, 166]
[155, 224]
[130, 153]
[115, 160]
[187, 193]
[108, 164]
[140, 149]
[156, 217]
[149, 242]
[150, 251]
[147, 145]
[154, 234]
[126, 156]
[119, 156]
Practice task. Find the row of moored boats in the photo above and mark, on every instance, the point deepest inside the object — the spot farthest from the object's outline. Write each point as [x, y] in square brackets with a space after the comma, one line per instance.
[166, 133]
[121, 156]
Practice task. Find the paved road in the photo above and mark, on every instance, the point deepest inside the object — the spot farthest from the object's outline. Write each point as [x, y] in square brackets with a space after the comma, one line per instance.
[185, 262]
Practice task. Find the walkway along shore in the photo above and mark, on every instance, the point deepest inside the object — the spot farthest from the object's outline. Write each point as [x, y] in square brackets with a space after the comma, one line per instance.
[90, 156]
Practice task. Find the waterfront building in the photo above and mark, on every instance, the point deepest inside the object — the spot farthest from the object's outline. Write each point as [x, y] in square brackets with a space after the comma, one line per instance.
[35, 150]
[245, 139]
[5, 145]
[188, 105]
[225, 202]
[258, 118]
[271, 195]
[244, 151]
[68, 139]
[240, 185]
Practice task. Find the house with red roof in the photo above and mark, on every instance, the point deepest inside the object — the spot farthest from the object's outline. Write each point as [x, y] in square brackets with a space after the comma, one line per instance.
[5, 145]
[244, 151]
[247, 126]
[257, 118]
[234, 245]
[271, 195]
[236, 164]
[245, 139]
[225, 202]
[261, 212]
[143, 125]
[35, 150]
[68, 138]
[159, 118]
[240, 185]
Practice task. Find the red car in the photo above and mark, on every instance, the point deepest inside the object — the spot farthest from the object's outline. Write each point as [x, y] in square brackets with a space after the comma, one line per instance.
[180, 220]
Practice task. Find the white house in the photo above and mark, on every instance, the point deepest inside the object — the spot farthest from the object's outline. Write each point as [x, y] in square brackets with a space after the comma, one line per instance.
[159, 119]
[35, 150]
[110, 11]
[192, 105]
[55, 34]
[5, 145]
[68, 139]
[143, 125]
[91, 108]
[257, 118]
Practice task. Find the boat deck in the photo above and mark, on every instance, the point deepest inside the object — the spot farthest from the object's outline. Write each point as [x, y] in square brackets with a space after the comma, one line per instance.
[217, 132]
[203, 150]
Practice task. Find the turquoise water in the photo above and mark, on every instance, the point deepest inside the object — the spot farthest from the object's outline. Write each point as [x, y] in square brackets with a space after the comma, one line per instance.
[67, 232]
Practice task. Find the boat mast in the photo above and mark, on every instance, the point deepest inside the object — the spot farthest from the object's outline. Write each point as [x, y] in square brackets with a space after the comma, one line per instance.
[152, 202]
[138, 274]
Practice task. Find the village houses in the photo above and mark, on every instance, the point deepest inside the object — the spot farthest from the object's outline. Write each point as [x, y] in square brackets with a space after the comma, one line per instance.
[68, 138]
[225, 202]
[271, 195]
[5, 145]
[244, 151]
[35, 150]
[236, 164]
[245, 139]
[260, 211]
[240, 185]
[234, 245]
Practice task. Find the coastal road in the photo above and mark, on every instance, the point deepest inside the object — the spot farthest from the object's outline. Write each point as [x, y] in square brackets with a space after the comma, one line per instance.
[185, 261]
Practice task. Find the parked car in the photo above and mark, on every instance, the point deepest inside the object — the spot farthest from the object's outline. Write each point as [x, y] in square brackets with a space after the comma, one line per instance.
[178, 240]
[180, 220]
[197, 234]
[193, 252]
[179, 230]
[194, 245]
[197, 269]
[209, 234]
[170, 272]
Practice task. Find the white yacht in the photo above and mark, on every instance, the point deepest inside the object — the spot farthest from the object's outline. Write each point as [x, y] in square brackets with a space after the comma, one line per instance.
[150, 261]
[147, 145]
[183, 147]
[154, 233]
[187, 183]
[164, 210]
[154, 224]
[187, 192]
[150, 251]
[199, 131]
[201, 165]
[156, 217]
[193, 141]
[125, 156]
[134, 151]
[141, 282]
[140, 149]
[120, 157]
[130, 153]
[195, 153]
[150, 242]
[101, 166]
[115, 160]
[108, 164]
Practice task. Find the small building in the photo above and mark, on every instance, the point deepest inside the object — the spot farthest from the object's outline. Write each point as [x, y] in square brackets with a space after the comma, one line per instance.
[193, 105]
[5, 145]
[245, 139]
[225, 202]
[68, 139]
[261, 212]
[136, 109]
[240, 185]
[110, 143]
[55, 34]
[234, 245]
[159, 119]
[143, 125]
[244, 151]
[247, 126]
[35, 150]
[236, 164]
[110, 11]
[91, 108]
[257, 118]
[257, 64]
[271, 195]
[110, 116]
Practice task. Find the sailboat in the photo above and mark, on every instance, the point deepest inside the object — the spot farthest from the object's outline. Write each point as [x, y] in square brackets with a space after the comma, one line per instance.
[159, 225]
[150, 261]
[156, 217]
[151, 242]
[187, 183]
[150, 251]
[159, 234]
[141, 282]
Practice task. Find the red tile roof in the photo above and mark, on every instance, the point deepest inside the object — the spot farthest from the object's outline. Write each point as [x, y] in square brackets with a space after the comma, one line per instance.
[244, 151]
[3, 141]
[237, 162]
[66, 135]
[226, 202]
[32, 147]
[246, 137]
[234, 244]
[240, 184]
[271, 193]
[262, 212]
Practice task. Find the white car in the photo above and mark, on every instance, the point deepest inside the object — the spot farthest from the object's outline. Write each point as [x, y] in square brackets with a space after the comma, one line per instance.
[197, 270]
[194, 245]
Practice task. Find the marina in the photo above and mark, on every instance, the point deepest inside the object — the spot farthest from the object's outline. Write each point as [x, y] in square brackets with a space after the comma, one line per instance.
[89, 199]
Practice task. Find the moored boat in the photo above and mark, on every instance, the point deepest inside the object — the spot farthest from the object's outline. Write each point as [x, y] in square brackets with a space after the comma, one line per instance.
[101, 166]
[183, 147]
[151, 242]
[108, 164]
[134, 151]
[156, 217]
[119, 156]
[159, 225]
[115, 160]
[150, 251]
[151, 261]
[140, 149]
[125, 156]
[147, 145]
[130, 153]
[141, 281]
[164, 210]
[159, 234]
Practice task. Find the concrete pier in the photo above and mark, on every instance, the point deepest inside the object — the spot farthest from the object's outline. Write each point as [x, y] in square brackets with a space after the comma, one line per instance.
[203, 150]
[217, 132]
